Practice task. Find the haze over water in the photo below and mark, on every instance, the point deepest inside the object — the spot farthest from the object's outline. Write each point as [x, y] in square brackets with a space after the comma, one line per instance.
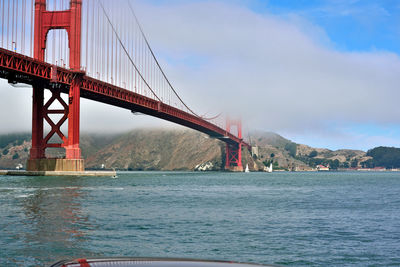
[291, 219]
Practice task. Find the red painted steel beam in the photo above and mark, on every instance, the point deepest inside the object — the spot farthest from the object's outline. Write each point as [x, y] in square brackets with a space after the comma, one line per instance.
[70, 20]
[24, 69]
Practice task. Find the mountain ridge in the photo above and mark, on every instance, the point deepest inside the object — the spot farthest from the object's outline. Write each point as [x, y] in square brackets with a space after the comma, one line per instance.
[183, 149]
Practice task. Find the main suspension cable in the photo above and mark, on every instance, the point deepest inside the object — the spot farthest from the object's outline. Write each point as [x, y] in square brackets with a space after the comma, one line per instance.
[162, 72]
[126, 52]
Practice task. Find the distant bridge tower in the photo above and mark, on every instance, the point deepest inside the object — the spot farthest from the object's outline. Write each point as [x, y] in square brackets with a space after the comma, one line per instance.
[70, 20]
[233, 161]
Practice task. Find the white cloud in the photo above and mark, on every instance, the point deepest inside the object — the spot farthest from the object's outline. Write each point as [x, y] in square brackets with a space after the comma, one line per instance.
[271, 66]
[280, 74]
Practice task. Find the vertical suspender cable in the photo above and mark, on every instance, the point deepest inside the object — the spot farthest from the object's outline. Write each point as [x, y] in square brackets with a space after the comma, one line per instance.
[2, 22]
[96, 44]
[118, 53]
[100, 32]
[128, 44]
[19, 27]
[129, 34]
[126, 67]
[16, 26]
[31, 42]
[101, 45]
[12, 26]
[66, 40]
[116, 56]
[123, 47]
[146, 70]
[141, 65]
[65, 37]
[124, 77]
[8, 23]
[156, 61]
[92, 44]
[87, 33]
[54, 47]
[23, 27]
[108, 52]
[59, 41]
[136, 58]
[112, 56]
[105, 41]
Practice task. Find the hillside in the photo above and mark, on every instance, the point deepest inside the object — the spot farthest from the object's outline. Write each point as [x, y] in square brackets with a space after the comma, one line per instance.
[150, 149]
[156, 150]
[160, 149]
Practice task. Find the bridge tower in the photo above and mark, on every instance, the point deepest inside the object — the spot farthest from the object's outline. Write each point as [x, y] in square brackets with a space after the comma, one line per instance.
[45, 20]
[233, 161]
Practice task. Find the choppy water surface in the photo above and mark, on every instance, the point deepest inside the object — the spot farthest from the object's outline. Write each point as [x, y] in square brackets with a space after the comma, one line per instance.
[290, 219]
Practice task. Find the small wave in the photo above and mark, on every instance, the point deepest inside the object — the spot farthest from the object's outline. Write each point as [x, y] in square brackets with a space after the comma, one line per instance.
[23, 195]
[99, 188]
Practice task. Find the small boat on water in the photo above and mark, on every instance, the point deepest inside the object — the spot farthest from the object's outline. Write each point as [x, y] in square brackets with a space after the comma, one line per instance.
[247, 168]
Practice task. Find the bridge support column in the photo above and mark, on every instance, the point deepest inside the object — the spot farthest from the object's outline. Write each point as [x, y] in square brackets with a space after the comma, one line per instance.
[45, 20]
[41, 112]
[37, 150]
[72, 149]
[233, 160]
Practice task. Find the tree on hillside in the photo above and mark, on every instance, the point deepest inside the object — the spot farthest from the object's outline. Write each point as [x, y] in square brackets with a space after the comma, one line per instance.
[368, 164]
[354, 163]
[334, 164]
[16, 139]
[344, 165]
[313, 154]
[291, 148]
[388, 157]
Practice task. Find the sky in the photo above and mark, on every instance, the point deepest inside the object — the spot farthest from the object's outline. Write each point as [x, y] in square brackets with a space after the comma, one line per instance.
[321, 73]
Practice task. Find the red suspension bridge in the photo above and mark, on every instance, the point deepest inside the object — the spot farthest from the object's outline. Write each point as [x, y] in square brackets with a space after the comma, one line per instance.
[96, 50]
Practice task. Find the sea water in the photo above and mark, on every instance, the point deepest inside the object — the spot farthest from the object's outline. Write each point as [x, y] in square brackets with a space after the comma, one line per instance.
[289, 219]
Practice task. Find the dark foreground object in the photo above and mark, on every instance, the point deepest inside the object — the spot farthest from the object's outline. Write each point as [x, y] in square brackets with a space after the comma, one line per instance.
[149, 262]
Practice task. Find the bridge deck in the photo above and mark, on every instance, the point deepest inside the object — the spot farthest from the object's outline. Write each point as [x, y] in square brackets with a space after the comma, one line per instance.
[19, 68]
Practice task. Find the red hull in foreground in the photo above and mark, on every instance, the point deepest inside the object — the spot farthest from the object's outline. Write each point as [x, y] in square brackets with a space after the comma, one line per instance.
[149, 262]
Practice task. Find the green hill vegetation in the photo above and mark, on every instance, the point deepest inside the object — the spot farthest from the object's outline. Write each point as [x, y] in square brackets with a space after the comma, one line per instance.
[160, 149]
[15, 139]
[388, 157]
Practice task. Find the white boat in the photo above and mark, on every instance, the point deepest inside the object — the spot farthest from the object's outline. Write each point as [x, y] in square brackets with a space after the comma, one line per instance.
[247, 168]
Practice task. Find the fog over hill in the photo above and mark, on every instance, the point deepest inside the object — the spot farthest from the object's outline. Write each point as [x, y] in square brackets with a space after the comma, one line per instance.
[161, 149]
